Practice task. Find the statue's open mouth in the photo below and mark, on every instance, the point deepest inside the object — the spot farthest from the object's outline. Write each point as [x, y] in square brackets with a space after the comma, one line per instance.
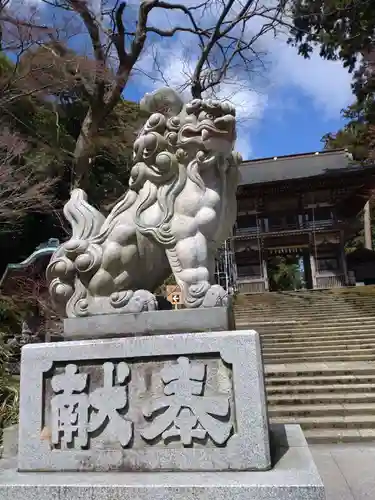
[222, 128]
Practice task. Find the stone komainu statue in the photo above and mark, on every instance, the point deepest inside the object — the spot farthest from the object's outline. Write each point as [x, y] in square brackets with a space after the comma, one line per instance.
[179, 208]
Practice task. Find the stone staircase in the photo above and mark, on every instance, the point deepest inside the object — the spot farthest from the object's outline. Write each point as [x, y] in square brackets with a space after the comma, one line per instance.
[319, 354]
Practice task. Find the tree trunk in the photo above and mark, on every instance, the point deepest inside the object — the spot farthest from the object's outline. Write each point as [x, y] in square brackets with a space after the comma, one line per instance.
[85, 150]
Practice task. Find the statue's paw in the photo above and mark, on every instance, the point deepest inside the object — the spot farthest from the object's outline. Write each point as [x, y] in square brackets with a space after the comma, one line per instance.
[216, 296]
[133, 302]
[120, 300]
[142, 300]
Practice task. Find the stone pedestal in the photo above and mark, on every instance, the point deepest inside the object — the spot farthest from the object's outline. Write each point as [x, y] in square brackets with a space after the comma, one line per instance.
[293, 477]
[171, 402]
[211, 319]
[169, 416]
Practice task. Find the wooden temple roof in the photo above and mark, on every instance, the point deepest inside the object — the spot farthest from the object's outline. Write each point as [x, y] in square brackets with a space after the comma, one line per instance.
[298, 166]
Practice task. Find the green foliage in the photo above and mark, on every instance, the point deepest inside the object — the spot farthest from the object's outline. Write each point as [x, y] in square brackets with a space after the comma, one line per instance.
[10, 322]
[344, 30]
[161, 290]
[11, 315]
[357, 241]
[50, 122]
[353, 136]
[9, 390]
[284, 274]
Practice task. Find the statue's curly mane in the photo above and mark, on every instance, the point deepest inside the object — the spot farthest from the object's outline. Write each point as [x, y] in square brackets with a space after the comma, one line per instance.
[163, 165]
[150, 185]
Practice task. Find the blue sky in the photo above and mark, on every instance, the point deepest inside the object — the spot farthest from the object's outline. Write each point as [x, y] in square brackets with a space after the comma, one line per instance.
[293, 117]
[286, 110]
[297, 130]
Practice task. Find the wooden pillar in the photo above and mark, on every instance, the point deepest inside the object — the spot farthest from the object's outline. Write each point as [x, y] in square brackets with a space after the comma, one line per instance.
[313, 269]
[367, 226]
[265, 274]
[344, 266]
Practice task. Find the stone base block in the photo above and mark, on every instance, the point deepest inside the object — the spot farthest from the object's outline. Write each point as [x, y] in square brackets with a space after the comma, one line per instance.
[182, 402]
[210, 319]
[293, 477]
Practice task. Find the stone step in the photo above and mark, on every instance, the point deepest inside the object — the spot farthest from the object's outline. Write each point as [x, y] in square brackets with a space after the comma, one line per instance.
[303, 315]
[328, 357]
[332, 321]
[276, 330]
[306, 305]
[301, 300]
[327, 436]
[312, 398]
[282, 331]
[299, 304]
[311, 325]
[338, 347]
[274, 380]
[300, 389]
[295, 319]
[308, 340]
[362, 410]
[313, 355]
[301, 295]
[310, 313]
[320, 369]
[288, 312]
[313, 344]
[333, 294]
[366, 421]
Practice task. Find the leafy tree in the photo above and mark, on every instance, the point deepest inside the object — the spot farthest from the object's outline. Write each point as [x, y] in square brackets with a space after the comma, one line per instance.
[344, 30]
[284, 274]
[38, 132]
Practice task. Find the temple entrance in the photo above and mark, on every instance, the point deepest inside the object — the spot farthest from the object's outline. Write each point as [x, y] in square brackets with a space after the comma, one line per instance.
[289, 271]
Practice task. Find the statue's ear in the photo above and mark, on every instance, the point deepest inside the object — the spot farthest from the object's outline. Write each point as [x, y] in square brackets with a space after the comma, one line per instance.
[165, 101]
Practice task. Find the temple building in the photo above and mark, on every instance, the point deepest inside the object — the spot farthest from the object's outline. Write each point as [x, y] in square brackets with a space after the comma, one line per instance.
[304, 207]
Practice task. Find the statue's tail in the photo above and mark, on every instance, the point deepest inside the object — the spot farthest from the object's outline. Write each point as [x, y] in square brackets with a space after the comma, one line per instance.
[85, 222]
[84, 219]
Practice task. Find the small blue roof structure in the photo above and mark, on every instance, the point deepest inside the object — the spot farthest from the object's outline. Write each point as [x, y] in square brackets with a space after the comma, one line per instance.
[38, 260]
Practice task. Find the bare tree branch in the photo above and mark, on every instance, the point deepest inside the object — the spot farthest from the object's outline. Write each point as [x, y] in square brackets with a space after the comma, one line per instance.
[225, 38]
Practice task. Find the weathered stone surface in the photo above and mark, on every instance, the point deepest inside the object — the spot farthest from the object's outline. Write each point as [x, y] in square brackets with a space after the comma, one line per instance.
[149, 323]
[293, 477]
[10, 441]
[170, 402]
[180, 207]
